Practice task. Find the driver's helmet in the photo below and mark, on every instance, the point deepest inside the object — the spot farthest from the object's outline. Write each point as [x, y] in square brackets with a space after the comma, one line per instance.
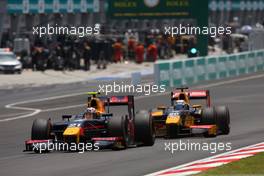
[90, 113]
[180, 105]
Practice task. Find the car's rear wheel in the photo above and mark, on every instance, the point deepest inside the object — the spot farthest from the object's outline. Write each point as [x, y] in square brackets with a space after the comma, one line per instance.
[208, 118]
[144, 128]
[223, 119]
[118, 127]
[41, 129]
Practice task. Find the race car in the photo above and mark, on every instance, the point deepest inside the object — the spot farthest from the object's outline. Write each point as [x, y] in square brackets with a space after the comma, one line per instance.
[181, 118]
[103, 128]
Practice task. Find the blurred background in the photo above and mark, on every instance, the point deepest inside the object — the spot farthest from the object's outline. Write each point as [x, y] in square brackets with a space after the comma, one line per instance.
[125, 38]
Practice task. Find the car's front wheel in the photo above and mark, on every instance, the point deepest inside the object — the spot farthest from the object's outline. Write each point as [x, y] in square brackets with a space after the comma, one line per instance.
[41, 129]
[209, 118]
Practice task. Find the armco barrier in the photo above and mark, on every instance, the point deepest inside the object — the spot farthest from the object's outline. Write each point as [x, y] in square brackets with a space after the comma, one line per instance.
[174, 73]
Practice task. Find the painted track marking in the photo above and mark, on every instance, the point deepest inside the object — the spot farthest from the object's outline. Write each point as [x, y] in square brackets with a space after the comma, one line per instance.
[37, 111]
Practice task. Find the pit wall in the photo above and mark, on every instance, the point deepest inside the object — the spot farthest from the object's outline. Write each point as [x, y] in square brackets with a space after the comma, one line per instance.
[173, 73]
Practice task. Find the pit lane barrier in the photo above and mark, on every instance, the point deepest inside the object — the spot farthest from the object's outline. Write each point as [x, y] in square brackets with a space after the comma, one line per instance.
[178, 72]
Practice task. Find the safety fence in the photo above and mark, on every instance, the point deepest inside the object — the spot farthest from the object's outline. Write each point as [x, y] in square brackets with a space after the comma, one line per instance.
[174, 73]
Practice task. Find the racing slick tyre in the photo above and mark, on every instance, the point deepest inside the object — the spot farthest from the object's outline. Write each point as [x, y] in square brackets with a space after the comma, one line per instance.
[40, 129]
[144, 129]
[223, 119]
[208, 118]
[118, 127]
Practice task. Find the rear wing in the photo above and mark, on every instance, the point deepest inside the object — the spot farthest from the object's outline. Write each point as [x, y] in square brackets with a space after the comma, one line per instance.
[118, 100]
[127, 100]
[194, 94]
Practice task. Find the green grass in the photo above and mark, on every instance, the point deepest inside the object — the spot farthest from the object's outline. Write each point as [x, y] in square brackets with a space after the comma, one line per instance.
[251, 166]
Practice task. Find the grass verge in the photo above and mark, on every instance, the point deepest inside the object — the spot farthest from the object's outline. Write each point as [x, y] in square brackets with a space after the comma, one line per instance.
[251, 166]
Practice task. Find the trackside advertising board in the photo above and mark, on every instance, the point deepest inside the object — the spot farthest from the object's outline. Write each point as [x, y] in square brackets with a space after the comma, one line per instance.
[163, 9]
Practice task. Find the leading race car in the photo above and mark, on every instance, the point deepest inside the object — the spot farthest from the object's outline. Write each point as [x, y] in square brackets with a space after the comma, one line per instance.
[182, 118]
[95, 126]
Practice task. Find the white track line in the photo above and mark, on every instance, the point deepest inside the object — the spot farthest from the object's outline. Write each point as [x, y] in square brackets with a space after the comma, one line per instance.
[203, 166]
[13, 114]
[13, 106]
[62, 108]
[230, 158]
[37, 111]
[245, 152]
[188, 173]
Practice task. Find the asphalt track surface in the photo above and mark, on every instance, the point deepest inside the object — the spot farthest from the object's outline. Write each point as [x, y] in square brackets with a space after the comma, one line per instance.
[243, 95]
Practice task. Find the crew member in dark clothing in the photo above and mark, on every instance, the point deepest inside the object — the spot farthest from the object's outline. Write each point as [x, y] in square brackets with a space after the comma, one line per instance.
[67, 56]
[58, 58]
[87, 56]
[101, 64]
[95, 50]
[40, 59]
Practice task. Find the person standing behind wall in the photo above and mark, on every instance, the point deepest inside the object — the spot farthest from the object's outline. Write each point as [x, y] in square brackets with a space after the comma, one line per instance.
[131, 46]
[102, 60]
[118, 51]
[96, 48]
[152, 53]
[140, 53]
[87, 56]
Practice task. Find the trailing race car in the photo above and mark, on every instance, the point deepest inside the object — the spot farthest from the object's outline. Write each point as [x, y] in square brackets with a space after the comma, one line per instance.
[182, 118]
[95, 127]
